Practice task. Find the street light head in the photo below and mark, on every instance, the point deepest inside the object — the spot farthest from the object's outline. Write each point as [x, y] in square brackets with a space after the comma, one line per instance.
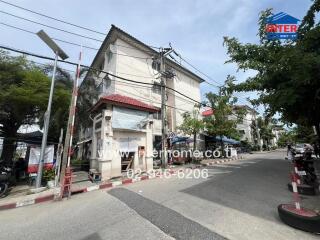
[51, 44]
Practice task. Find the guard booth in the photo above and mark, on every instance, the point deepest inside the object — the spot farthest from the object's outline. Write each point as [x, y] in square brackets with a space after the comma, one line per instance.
[122, 136]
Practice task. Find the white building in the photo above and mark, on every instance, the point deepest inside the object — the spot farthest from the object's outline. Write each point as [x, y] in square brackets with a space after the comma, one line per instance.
[125, 56]
[246, 127]
[277, 131]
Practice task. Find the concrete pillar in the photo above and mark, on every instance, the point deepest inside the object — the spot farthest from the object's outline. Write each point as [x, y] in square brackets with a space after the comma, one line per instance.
[149, 147]
[94, 157]
[109, 164]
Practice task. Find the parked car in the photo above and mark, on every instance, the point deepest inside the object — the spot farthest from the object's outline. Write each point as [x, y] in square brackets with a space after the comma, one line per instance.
[299, 148]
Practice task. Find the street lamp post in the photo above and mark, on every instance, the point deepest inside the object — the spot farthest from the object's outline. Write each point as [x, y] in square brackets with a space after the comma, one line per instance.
[58, 53]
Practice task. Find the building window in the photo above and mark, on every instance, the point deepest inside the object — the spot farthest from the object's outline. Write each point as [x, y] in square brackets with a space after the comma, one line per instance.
[101, 66]
[109, 56]
[100, 87]
[107, 82]
[242, 132]
[156, 88]
[156, 65]
[157, 115]
[98, 125]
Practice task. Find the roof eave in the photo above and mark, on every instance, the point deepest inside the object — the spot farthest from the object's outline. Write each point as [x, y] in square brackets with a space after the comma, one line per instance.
[115, 103]
[147, 49]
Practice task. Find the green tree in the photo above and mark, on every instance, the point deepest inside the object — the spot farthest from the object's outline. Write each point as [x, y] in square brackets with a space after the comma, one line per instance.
[298, 134]
[192, 124]
[285, 138]
[225, 118]
[265, 128]
[24, 90]
[304, 134]
[88, 95]
[287, 72]
[61, 101]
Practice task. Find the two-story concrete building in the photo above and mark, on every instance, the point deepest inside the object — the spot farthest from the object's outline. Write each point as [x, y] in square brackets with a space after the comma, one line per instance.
[246, 126]
[126, 57]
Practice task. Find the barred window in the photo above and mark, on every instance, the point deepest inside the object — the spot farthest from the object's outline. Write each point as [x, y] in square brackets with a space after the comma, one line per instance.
[156, 88]
[157, 115]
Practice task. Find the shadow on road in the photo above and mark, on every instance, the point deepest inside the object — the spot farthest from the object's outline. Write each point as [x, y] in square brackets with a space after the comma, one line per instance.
[255, 189]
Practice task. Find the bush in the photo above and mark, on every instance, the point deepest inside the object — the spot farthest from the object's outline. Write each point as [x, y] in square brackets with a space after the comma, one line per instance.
[255, 148]
[48, 175]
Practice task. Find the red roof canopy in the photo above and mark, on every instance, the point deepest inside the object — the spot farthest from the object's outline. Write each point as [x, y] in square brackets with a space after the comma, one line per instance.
[124, 101]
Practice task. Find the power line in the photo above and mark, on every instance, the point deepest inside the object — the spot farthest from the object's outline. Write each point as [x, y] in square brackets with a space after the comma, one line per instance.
[83, 36]
[48, 26]
[153, 101]
[101, 71]
[198, 70]
[52, 18]
[179, 63]
[64, 41]
[72, 43]
[87, 29]
[125, 55]
[90, 68]
[62, 21]
[124, 84]
[72, 71]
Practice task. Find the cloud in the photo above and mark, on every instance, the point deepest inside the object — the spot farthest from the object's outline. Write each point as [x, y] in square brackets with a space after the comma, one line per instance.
[195, 28]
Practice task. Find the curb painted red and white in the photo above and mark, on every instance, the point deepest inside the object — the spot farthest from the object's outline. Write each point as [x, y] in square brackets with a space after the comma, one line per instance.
[53, 197]
[220, 161]
[27, 202]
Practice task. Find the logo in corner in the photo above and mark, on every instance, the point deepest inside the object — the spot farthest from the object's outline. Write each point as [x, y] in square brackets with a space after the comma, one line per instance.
[282, 26]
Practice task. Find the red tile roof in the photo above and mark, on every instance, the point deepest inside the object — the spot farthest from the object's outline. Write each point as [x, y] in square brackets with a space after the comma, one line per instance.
[207, 113]
[124, 101]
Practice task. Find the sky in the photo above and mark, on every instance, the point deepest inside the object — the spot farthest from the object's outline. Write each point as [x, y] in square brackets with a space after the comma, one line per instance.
[194, 28]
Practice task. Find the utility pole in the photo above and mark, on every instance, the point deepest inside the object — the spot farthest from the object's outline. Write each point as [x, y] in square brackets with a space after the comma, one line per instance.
[163, 111]
[70, 128]
[58, 161]
[163, 53]
[258, 133]
[223, 116]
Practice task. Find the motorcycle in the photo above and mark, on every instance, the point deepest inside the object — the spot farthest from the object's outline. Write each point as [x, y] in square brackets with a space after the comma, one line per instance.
[5, 174]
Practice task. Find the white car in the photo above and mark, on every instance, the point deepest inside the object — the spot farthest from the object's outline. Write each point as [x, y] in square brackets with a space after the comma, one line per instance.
[299, 148]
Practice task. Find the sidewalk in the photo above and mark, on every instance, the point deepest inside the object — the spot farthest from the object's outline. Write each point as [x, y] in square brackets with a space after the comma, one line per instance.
[80, 186]
[210, 162]
[25, 199]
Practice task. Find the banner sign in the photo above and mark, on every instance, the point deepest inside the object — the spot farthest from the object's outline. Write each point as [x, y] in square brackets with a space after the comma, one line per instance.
[124, 118]
[34, 158]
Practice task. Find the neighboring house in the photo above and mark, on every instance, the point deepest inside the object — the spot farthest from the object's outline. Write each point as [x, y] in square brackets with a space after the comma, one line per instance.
[127, 57]
[246, 126]
[277, 131]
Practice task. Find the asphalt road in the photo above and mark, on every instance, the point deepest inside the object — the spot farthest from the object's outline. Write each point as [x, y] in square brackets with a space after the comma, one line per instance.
[238, 201]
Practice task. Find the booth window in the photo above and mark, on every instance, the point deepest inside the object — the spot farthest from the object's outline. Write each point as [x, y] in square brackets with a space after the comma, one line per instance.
[157, 115]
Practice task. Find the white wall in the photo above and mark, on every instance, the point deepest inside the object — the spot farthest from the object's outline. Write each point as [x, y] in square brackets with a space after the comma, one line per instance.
[140, 69]
[189, 87]
[245, 126]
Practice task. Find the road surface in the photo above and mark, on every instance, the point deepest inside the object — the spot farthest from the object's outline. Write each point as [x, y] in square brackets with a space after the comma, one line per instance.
[238, 201]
